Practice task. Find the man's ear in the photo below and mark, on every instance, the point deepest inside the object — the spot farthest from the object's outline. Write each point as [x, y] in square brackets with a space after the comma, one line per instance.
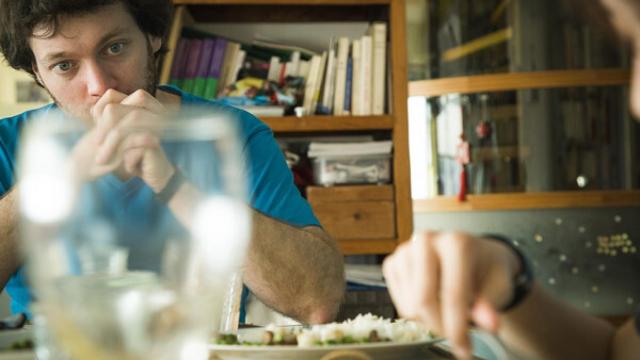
[156, 43]
[36, 73]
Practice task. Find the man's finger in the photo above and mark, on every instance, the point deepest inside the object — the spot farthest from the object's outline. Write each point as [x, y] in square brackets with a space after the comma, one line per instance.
[111, 96]
[143, 99]
[427, 284]
[456, 289]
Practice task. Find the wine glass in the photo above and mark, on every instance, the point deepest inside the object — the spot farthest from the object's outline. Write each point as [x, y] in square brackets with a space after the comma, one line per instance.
[118, 272]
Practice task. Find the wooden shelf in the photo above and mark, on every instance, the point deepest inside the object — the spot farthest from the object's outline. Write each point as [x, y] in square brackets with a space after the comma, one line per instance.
[519, 81]
[521, 201]
[356, 247]
[282, 2]
[289, 124]
[224, 11]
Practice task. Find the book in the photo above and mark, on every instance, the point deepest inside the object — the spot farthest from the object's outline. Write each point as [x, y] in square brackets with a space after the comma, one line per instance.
[356, 83]
[274, 69]
[310, 84]
[200, 81]
[365, 75]
[179, 63]
[238, 62]
[329, 81]
[228, 63]
[348, 88]
[215, 68]
[318, 84]
[378, 32]
[191, 67]
[341, 75]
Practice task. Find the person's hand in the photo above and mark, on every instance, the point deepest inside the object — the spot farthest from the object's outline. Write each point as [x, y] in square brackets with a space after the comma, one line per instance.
[447, 280]
[123, 139]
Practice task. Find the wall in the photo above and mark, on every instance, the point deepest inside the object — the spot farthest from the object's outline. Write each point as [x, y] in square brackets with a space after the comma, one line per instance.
[4, 305]
[591, 257]
[8, 91]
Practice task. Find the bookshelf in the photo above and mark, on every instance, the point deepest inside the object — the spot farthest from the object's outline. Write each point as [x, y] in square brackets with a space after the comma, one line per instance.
[364, 219]
[553, 101]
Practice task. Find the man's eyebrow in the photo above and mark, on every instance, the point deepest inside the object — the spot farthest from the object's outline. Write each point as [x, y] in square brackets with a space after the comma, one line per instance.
[49, 58]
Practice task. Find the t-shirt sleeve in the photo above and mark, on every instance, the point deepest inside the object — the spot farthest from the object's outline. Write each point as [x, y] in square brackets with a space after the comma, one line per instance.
[7, 153]
[271, 188]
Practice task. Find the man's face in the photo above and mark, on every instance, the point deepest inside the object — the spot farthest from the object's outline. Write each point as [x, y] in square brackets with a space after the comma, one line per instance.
[91, 53]
[625, 16]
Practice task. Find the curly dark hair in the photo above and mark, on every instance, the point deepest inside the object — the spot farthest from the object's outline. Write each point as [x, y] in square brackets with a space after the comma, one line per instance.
[18, 18]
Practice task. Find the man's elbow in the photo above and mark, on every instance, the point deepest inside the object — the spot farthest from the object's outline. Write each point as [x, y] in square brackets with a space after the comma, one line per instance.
[324, 309]
[323, 315]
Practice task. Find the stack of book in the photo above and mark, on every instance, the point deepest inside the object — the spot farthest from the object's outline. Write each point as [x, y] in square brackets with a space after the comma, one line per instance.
[350, 78]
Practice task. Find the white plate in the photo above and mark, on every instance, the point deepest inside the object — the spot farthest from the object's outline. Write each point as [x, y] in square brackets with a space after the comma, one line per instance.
[9, 337]
[373, 351]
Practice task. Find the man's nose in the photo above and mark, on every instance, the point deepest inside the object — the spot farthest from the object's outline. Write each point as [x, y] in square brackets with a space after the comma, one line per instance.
[98, 79]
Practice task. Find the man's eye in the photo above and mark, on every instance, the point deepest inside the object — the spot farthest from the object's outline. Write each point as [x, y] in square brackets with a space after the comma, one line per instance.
[63, 66]
[115, 48]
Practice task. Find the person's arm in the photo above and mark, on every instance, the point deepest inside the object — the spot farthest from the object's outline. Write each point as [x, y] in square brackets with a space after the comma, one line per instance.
[626, 342]
[448, 280]
[9, 260]
[297, 271]
[543, 327]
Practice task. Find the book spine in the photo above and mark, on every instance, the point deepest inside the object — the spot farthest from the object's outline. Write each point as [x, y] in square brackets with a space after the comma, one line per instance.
[365, 75]
[203, 67]
[341, 72]
[192, 65]
[356, 98]
[310, 84]
[329, 82]
[215, 68]
[348, 88]
[319, 79]
[379, 32]
[230, 54]
[274, 69]
[179, 62]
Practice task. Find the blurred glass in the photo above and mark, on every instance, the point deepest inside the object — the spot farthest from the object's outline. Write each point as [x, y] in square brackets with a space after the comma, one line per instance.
[564, 139]
[117, 273]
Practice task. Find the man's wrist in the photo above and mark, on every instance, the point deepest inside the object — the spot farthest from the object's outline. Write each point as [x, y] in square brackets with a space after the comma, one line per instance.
[171, 187]
[523, 276]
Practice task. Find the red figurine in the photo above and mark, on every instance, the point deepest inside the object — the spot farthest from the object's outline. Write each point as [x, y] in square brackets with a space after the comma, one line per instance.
[463, 156]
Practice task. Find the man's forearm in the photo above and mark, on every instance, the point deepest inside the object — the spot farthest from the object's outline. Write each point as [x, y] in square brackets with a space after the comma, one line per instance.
[8, 236]
[543, 327]
[297, 271]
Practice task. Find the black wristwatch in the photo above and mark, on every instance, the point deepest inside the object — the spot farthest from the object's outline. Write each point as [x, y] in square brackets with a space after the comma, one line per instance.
[172, 186]
[523, 281]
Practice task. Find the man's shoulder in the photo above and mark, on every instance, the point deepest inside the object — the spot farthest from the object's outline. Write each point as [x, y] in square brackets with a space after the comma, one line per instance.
[11, 126]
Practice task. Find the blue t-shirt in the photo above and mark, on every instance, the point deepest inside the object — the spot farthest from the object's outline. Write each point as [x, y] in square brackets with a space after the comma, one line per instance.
[270, 183]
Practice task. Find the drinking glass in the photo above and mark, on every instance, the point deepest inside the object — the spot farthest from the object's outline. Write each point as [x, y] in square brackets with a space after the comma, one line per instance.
[116, 272]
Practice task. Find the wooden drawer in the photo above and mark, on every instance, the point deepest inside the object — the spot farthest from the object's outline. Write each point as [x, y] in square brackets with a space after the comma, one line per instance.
[355, 212]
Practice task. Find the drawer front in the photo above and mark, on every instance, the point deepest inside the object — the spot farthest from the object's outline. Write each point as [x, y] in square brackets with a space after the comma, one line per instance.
[357, 219]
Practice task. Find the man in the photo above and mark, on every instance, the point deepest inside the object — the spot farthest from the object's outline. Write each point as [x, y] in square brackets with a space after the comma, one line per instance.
[447, 280]
[97, 61]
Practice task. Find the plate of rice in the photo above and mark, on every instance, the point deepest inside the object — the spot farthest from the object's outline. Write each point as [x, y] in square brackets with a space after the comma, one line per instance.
[366, 337]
